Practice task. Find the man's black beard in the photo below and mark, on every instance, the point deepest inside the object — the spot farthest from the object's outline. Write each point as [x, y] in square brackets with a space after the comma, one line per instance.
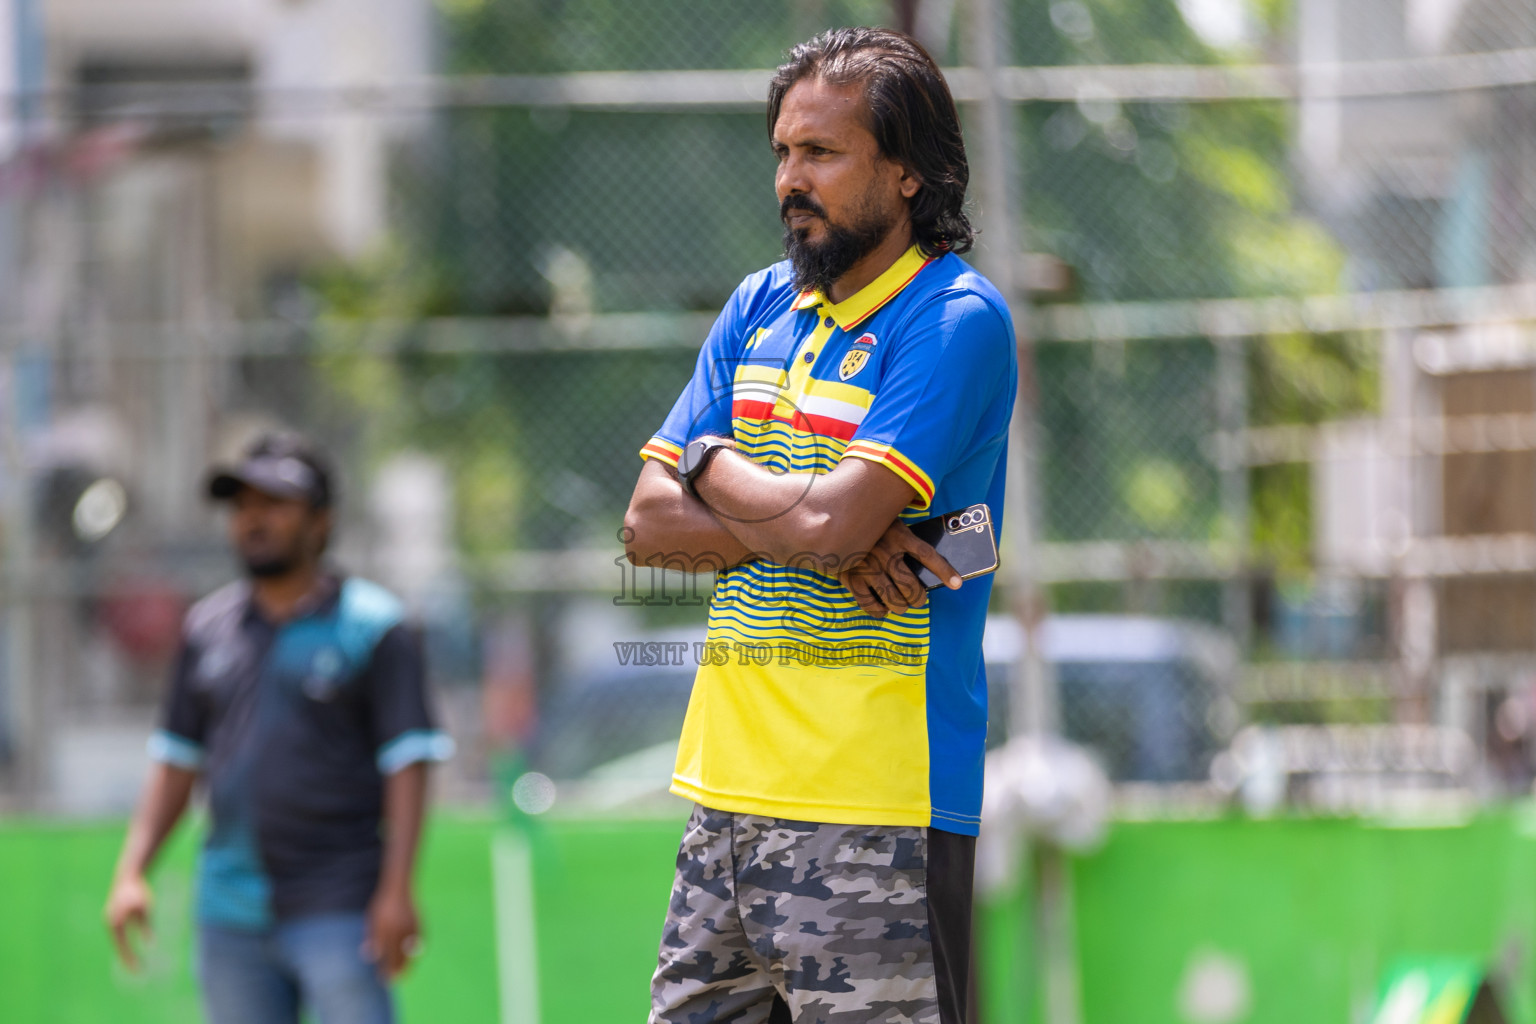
[820, 264]
[272, 566]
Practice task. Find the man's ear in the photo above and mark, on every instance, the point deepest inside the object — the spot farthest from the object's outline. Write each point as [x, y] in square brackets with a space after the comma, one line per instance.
[324, 522]
[910, 182]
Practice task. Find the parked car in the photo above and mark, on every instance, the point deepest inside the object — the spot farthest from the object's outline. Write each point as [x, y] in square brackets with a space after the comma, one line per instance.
[1151, 697]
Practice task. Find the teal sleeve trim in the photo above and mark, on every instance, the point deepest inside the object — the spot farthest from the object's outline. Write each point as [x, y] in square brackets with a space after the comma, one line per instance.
[416, 745]
[168, 748]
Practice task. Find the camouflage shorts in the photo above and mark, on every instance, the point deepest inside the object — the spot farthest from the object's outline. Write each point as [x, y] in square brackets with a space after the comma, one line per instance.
[830, 921]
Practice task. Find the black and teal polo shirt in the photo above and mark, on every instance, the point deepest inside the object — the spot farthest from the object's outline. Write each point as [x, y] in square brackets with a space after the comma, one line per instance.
[293, 727]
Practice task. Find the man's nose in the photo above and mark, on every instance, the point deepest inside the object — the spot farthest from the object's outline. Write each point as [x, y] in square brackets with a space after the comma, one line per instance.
[791, 179]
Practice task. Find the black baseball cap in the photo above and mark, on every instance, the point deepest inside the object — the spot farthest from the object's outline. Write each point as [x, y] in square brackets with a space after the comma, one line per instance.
[282, 465]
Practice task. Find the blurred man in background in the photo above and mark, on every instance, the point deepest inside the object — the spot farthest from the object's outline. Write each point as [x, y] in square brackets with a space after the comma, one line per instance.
[867, 381]
[299, 697]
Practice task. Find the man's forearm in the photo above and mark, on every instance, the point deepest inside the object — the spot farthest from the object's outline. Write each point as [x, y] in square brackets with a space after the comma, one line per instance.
[802, 519]
[405, 804]
[164, 800]
[668, 528]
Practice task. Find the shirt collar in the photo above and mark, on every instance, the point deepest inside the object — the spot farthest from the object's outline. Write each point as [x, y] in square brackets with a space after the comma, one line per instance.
[320, 600]
[859, 306]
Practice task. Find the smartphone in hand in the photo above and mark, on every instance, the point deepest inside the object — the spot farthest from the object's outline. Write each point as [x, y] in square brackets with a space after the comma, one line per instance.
[964, 537]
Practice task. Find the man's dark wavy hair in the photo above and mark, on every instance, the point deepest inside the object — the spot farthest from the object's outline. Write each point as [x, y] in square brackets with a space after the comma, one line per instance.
[911, 114]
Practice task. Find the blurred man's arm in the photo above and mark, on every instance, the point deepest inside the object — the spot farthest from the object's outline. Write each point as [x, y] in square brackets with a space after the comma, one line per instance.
[667, 526]
[393, 924]
[162, 804]
[406, 739]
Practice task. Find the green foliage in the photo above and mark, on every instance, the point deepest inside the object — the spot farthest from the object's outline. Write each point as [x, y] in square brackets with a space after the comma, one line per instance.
[1307, 378]
[663, 211]
[1103, 32]
[1341, 711]
[1281, 512]
[1126, 429]
[668, 210]
[1160, 201]
[517, 212]
[515, 429]
[1200, 600]
[1298, 379]
[520, 212]
[540, 36]
[367, 350]
[1157, 492]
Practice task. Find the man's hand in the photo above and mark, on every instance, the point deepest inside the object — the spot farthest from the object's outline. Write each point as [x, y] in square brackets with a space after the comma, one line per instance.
[394, 931]
[881, 581]
[128, 907]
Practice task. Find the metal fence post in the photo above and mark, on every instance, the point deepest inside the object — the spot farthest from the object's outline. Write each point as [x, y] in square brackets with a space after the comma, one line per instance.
[998, 178]
[27, 724]
[999, 181]
[1232, 422]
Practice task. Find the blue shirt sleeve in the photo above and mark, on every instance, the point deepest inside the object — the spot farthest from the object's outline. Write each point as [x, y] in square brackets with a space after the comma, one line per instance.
[400, 716]
[184, 718]
[945, 376]
[704, 407]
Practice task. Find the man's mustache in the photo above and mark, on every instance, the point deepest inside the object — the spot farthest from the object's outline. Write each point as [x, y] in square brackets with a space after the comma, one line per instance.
[799, 202]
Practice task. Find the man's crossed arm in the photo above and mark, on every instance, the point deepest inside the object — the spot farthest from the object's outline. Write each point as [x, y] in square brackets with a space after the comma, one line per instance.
[843, 523]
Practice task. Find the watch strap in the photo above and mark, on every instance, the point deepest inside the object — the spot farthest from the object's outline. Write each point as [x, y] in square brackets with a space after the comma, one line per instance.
[696, 456]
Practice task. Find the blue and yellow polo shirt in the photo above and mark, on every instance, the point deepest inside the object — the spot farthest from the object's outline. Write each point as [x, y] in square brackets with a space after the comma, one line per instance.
[804, 707]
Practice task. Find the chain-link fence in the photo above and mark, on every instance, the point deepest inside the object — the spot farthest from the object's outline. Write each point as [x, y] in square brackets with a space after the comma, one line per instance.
[1275, 277]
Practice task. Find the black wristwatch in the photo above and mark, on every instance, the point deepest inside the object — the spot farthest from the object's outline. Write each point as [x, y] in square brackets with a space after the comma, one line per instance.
[695, 457]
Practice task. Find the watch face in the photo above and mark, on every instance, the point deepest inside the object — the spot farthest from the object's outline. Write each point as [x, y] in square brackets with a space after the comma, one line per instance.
[690, 457]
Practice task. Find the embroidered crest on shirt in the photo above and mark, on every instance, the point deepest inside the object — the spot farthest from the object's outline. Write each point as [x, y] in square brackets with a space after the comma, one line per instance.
[325, 676]
[856, 357]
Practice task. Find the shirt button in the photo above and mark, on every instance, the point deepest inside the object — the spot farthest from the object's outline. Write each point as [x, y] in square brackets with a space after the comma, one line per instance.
[810, 357]
[828, 322]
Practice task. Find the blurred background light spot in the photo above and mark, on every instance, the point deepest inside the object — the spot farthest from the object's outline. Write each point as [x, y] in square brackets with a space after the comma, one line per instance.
[1406, 1003]
[533, 793]
[1157, 491]
[100, 509]
[1221, 23]
[1097, 103]
[1215, 989]
[1157, 161]
[1072, 20]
